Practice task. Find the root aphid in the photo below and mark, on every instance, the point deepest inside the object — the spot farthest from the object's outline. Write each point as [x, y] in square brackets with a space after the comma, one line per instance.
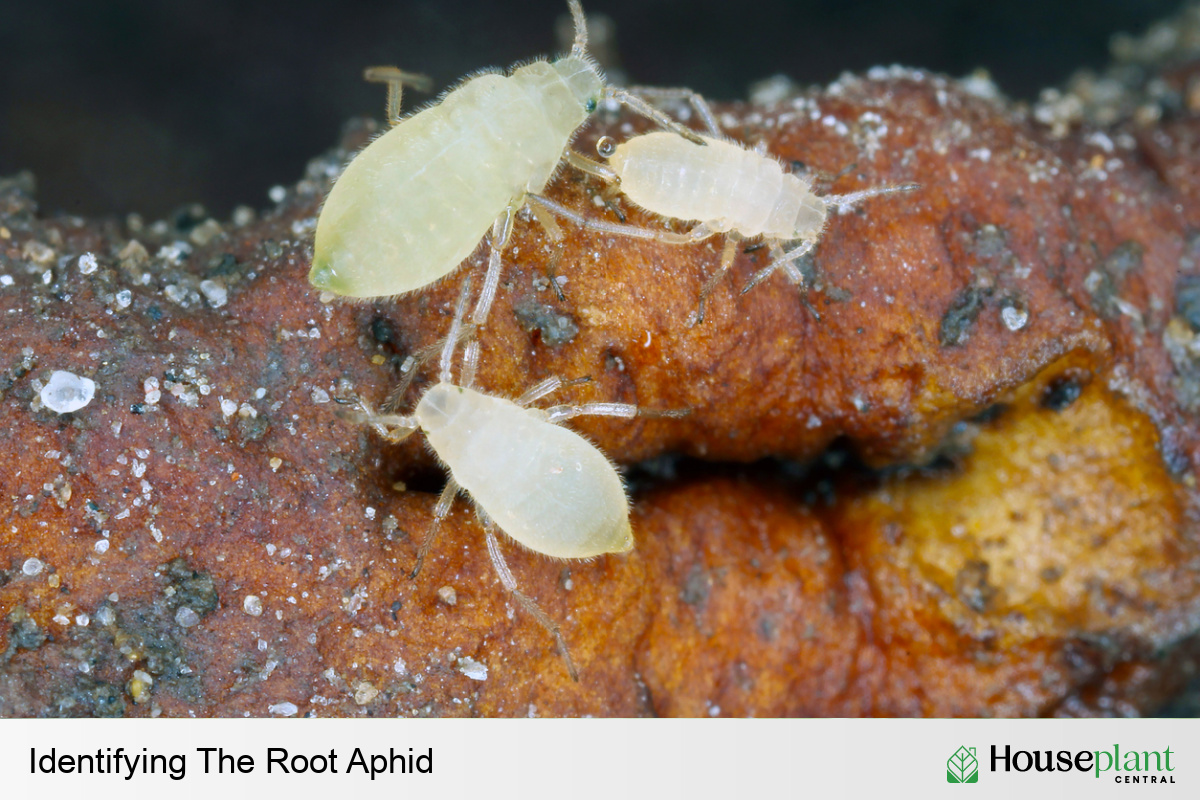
[544, 485]
[725, 188]
[417, 201]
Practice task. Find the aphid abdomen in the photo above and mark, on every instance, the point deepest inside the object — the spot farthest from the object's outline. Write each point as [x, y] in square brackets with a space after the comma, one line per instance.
[721, 184]
[413, 205]
[544, 485]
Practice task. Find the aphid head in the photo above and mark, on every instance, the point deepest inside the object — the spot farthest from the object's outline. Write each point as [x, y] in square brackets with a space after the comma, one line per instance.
[810, 217]
[577, 68]
[582, 77]
[439, 406]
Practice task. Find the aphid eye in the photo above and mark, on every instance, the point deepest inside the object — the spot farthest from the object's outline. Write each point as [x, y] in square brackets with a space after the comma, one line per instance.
[605, 146]
[590, 106]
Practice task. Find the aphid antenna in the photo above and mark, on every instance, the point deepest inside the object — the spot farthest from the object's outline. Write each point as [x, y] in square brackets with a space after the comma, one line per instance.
[394, 428]
[579, 48]
[633, 232]
[661, 118]
[845, 202]
[396, 79]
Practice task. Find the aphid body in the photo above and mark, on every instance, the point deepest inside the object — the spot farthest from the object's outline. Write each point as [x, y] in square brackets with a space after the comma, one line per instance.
[723, 185]
[542, 484]
[416, 202]
[725, 188]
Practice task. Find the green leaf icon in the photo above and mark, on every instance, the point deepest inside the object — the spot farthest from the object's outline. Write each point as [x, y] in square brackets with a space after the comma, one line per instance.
[962, 767]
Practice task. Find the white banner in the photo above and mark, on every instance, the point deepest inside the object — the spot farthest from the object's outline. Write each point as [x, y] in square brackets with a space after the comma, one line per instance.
[602, 759]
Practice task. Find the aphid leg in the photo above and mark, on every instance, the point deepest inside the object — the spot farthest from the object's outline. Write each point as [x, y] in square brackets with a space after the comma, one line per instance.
[395, 79]
[444, 372]
[412, 365]
[554, 231]
[844, 202]
[650, 112]
[794, 275]
[777, 262]
[562, 413]
[594, 168]
[697, 102]
[466, 374]
[527, 603]
[501, 230]
[440, 511]
[694, 236]
[727, 256]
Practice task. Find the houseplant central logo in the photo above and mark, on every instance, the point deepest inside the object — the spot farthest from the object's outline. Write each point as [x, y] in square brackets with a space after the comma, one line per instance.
[963, 766]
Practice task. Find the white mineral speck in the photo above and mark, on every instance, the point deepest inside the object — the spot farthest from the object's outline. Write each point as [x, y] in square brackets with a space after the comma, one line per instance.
[400, 667]
[32, 566]
[6, 280]
[101, 546]
[215, 293]
[228, 407]
[186, 617]
[124, 298]
[283, 709]
[320, 396]
[365, 693]
[370, 512]
[87, 264]
[277, 194]
[106, 616]
[67, 392]
[176, 294]
[1014, 318]
[472, 669]
[252, 605]
[82, 620]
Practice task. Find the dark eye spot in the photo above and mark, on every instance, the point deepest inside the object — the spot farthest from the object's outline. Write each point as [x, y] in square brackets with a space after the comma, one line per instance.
[590, 106]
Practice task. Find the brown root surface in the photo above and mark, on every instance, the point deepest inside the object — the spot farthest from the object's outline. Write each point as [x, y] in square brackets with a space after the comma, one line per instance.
[1013, 345]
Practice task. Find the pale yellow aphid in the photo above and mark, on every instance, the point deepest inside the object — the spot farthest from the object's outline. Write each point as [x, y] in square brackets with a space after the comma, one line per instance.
[544, 485]
[416, 202]
[725, 188]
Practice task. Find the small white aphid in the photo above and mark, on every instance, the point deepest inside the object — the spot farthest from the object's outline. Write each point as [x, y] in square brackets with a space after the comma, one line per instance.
[416, 202]
[725, 188]
[544, 485]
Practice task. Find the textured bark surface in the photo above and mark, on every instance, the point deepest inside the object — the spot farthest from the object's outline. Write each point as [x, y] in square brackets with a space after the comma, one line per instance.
[1012, 349]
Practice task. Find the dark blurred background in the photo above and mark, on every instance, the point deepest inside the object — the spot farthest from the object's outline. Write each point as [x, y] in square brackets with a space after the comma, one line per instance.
[144, 105]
